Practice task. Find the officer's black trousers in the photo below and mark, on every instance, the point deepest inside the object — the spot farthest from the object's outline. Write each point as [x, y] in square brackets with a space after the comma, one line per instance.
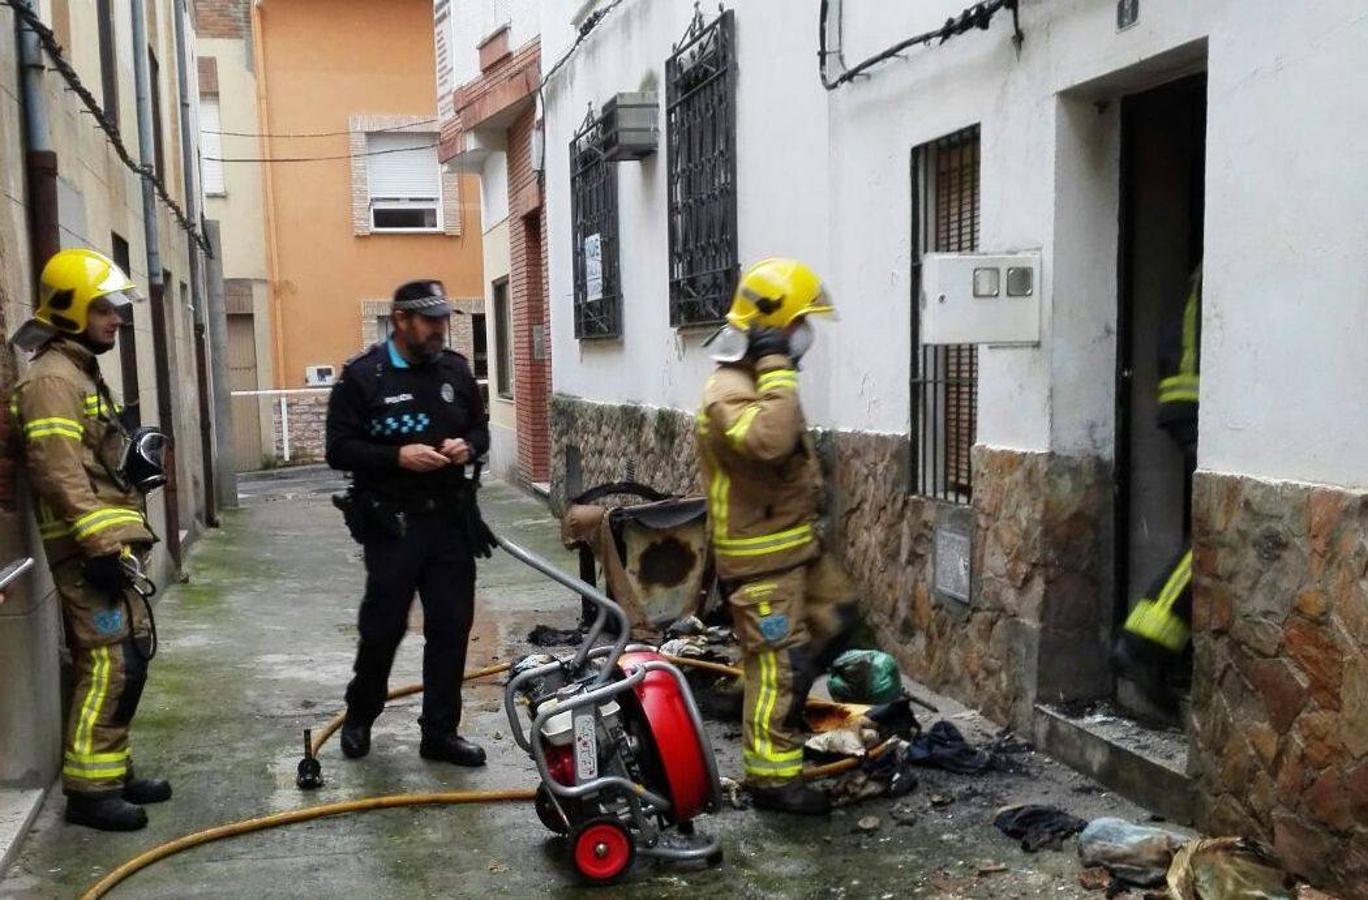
[434, 560]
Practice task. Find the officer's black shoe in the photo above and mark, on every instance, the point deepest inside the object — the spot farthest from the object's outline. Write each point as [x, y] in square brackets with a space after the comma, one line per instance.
[791, 797]
[106, 812]
[147, 790]
[355, 739]
[452, 748]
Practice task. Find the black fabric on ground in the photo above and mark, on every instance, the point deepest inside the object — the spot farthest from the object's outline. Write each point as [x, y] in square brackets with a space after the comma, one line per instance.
[546, 636]
[943, 747]
[895, 718]
[1038, 827]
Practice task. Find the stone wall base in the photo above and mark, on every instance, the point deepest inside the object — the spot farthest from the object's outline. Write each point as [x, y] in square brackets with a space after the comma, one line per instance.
[1280, 687]
[1034, 627]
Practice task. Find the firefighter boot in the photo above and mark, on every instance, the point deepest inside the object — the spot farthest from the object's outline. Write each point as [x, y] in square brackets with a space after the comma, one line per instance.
[793, 796]
[146, 790]
[447, 746]
[106, 812]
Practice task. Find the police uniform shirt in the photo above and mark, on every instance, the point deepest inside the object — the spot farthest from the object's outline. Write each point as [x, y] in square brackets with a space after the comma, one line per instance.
[382, 403]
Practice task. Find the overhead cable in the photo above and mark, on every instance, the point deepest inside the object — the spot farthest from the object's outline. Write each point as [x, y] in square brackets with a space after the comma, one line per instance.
[49, 42]
[976, 17]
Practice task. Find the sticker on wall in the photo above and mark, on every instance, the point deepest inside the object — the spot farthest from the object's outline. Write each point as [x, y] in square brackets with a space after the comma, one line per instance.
[1127, 13]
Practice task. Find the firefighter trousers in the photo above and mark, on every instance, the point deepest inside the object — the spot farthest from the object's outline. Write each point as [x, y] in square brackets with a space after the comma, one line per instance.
[108, 638]
[786, 622]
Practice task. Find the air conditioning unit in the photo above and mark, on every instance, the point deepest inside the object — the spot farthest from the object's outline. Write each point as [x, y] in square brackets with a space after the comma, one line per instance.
[319, 376]
[628, 125]
[980, 298]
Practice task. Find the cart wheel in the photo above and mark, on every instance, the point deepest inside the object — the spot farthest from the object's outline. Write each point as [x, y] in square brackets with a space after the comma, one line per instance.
[547, 812]
[714, 858]
[603, 850]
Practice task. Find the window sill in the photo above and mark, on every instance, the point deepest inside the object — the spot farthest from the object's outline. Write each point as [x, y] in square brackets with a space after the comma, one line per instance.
[375, 231]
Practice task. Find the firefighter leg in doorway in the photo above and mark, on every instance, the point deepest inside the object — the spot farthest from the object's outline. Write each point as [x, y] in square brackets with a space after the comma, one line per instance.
[1155, 637]
[785, 623]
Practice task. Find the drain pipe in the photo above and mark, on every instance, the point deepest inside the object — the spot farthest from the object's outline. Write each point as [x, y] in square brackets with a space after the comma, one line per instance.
[225, 457]
[155, 286]
[189, 159]
[41, 160]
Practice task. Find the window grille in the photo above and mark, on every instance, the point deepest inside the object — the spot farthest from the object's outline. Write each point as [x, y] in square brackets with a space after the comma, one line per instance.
[700, 118]
[945, 218]
[594, 218]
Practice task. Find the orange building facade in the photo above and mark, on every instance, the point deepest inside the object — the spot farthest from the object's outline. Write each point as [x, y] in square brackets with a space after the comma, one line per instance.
[355, 200]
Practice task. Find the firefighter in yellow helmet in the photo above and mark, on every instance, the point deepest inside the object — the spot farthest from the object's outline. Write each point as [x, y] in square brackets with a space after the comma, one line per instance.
[791, 602]
[92, 518]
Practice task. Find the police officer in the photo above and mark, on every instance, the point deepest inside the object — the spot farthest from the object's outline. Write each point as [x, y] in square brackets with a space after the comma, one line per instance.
[93, 523]
[791, 602]
[405, 418]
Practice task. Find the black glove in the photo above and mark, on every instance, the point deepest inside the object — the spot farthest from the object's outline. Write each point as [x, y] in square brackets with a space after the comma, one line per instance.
[105, 574]
[766, 342]
[481, 539]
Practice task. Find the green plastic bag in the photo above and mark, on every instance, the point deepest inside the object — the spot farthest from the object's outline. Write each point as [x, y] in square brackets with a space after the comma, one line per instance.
[865, 676]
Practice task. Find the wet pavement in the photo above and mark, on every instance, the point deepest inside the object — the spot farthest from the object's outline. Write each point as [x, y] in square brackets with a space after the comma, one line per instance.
[258, 646]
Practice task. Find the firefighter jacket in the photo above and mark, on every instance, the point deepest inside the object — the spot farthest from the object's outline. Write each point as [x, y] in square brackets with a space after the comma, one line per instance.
[72, 446]
[382, 402]
[1180, 345]
[759, 469]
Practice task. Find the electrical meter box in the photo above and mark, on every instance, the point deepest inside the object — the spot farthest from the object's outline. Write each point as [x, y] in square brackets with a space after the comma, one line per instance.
[980, 298]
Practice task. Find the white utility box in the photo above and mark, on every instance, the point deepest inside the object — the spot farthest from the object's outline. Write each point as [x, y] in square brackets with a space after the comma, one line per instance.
[319, 376]
[980, 298]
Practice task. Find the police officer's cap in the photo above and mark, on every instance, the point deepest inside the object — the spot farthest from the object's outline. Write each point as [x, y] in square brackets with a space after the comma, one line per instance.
[425, 297]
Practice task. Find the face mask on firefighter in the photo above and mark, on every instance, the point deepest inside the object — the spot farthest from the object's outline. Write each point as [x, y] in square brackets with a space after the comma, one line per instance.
[143, 465]
[801, 338]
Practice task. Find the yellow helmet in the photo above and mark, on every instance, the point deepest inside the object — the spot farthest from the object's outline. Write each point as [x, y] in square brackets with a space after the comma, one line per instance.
[71, 281]
[775, 292]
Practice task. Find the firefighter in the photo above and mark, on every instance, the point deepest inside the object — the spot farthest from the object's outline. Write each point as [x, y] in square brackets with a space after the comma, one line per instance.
[92, 519]
[791, 602]
[1158, 627]
[405, 419]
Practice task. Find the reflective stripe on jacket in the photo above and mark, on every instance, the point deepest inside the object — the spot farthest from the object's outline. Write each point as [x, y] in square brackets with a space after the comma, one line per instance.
[1180, 360]
[70, 445]
[759, 469]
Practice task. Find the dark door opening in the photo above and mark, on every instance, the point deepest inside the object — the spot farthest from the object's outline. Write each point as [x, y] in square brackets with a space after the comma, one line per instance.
[1162, 193]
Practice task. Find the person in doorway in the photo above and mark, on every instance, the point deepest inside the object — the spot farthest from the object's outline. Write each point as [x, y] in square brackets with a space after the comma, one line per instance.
[405, 419]
[791, 603]
[93, 521]
[1158, 628]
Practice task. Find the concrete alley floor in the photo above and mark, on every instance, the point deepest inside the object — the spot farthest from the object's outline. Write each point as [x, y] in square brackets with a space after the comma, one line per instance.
[258, 646]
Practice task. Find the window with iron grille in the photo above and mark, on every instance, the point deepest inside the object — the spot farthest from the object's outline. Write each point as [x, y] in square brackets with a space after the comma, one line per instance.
[594, 221]
[945, 218]
[700, 121]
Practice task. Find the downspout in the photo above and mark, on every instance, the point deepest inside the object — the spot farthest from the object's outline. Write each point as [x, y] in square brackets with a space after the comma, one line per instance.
[156, 287]
[189, 160]
[41, 160]
[268, 188]
[226, 457]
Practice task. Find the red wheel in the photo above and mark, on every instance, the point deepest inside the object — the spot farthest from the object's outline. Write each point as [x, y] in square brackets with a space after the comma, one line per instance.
[603, 850]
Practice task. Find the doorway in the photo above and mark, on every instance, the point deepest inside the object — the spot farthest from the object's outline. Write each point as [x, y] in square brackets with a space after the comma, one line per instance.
[1163, 143]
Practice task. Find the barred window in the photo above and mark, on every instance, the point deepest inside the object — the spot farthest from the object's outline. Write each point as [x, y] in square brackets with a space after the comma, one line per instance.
[700, 119]
[594, 225]
[945, 218]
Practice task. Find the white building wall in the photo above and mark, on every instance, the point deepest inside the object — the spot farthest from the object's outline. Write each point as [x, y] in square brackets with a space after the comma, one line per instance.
[826, 178]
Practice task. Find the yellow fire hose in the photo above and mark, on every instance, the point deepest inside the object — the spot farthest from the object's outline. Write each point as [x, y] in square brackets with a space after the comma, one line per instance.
[391, 801]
